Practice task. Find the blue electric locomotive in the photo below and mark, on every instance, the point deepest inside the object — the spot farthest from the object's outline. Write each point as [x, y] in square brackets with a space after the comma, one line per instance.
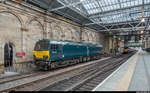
[53, 53]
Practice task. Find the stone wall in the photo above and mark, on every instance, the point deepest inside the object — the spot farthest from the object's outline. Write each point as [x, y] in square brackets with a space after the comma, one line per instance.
[112, 43]
[89, 36]
[23, 27]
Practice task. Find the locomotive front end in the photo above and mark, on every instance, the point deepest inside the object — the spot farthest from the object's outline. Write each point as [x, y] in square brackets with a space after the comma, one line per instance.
[41, 54]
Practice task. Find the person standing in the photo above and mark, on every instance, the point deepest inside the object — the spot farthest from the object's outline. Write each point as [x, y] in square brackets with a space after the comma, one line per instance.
[8, 54]
[11, 55]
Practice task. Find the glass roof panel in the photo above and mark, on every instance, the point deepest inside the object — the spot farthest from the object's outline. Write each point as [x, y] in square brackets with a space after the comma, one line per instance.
[147, 1]
[111, 11]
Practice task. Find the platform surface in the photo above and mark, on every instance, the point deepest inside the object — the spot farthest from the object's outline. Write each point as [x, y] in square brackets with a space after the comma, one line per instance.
[133, 75]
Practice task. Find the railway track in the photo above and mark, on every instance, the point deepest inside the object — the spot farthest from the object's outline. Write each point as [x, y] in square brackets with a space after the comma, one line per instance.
[66, 83]
[14, 81]
[91, 82]
[35, 86]
[69, 80]
[35, 72]
[87, 80]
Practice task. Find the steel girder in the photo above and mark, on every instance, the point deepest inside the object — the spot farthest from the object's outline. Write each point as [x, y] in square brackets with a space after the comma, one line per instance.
[107, 26]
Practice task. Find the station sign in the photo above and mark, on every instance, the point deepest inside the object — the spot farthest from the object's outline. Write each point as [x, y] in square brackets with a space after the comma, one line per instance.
[21, 54]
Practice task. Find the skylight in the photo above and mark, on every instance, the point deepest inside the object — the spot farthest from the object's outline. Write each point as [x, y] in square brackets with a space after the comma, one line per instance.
[112, 11]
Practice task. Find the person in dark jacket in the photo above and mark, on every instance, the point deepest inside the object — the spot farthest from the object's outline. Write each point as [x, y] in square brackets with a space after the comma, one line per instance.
[8, 55]
[11, 55]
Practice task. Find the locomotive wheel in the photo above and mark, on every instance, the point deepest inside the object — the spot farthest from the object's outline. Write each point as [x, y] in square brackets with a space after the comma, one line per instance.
[86, 59]
[46, 68]
[38, 68]
[53, 65]
[75, 62]
[82, 60]
[78, 60]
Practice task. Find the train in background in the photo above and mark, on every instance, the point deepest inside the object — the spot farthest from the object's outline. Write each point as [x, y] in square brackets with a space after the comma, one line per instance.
[127, 50]
[147, 49]
[148, 46]
[50, 54]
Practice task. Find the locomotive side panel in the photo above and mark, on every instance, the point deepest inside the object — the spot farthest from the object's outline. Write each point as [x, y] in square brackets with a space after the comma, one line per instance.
[95, 51]
[74, 51]
[56, 52]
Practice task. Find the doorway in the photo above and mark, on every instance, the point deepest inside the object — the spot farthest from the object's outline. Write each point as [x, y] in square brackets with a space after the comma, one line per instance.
[8, 55]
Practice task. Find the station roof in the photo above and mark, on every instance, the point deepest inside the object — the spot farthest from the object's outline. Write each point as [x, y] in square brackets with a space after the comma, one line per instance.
[101, 15]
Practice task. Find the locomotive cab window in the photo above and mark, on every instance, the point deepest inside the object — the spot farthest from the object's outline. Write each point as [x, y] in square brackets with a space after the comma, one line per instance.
[41, 46]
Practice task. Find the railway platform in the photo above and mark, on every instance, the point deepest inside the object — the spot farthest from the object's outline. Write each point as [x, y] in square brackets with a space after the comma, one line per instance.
[133, 75]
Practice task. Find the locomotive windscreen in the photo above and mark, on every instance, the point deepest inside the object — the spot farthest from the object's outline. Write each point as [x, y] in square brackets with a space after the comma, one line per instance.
[41, 46]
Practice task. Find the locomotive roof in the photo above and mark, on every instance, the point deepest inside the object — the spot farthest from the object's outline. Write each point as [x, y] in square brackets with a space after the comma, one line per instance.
[65, 42]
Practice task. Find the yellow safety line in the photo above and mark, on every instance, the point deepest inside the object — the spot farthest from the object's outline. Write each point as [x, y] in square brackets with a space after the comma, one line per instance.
[125, 81]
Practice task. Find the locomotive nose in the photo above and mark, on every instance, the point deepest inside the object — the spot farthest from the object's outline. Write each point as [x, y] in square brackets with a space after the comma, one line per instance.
[41, 54]
[45, 57]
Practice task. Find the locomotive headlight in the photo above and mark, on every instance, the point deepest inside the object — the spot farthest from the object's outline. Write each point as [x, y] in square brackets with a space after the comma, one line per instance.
[45, 57]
